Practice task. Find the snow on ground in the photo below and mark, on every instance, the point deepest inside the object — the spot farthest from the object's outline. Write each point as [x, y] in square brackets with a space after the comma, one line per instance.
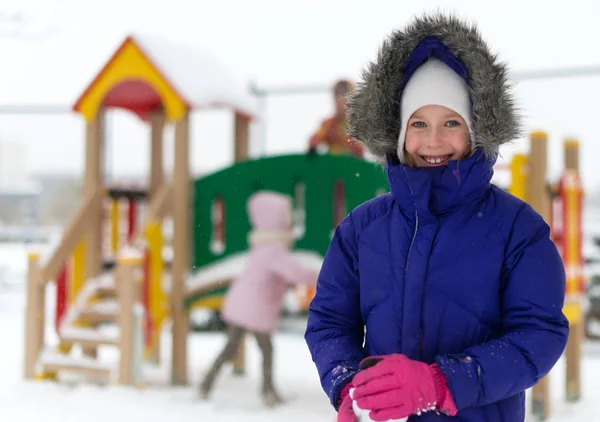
[235, 398]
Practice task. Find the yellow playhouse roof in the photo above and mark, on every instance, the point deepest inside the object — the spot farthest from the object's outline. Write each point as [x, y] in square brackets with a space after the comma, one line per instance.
[147, 71]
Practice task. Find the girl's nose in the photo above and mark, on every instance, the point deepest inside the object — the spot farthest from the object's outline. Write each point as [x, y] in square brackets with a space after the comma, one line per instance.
[435, 138]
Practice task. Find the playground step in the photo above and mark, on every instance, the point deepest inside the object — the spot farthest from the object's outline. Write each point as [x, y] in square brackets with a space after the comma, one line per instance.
[106, 293]
[88, 337]
[101, 311]
[105, 288]
[53, 362]
[89, 291]
[110, 263]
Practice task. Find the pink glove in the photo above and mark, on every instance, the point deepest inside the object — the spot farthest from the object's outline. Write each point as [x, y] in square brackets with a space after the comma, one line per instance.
[345, 412]
[395, 387]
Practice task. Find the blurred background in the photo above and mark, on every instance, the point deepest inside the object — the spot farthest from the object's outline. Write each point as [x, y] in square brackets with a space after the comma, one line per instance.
[293, 53]
[287, 55]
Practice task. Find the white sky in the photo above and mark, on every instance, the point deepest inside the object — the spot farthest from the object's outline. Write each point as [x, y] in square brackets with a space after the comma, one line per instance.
[279, 43]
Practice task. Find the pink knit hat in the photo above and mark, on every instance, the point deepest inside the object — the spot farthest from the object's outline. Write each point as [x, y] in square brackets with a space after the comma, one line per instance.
[269, 210]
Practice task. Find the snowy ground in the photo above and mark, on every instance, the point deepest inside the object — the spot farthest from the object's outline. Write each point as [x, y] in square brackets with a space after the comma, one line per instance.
[235, 398]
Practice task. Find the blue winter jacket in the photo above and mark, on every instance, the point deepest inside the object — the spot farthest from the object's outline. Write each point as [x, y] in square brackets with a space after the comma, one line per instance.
[446, 268]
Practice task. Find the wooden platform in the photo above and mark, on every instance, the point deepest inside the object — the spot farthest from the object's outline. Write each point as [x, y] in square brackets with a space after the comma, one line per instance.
[88, 337]
[53, 362]
[101, 312]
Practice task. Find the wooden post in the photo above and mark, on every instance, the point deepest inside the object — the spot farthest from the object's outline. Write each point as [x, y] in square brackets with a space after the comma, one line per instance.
[571, 150]
[573, 228]
[157, 176]
[157, 124]
[128, 294]
[241, 147]
[538, 198]
[93, 181]
[35, 316]
[181, 250]
[242, 130]
[573, 357]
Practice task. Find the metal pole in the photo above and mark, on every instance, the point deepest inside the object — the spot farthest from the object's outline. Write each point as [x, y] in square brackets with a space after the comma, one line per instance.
[311, 89]
[34, 109]
[553, 73]
[557, 73]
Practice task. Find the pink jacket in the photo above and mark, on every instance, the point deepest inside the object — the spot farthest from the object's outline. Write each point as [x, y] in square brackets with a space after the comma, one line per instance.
[254, 300]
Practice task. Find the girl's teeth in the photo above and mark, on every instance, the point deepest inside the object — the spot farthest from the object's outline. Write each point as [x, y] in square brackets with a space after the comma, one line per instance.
[434, 160]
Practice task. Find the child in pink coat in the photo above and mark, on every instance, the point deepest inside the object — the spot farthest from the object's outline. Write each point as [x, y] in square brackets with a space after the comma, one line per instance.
[254, 300]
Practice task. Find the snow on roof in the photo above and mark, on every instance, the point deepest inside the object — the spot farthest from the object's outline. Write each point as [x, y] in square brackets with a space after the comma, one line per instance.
[198, 76]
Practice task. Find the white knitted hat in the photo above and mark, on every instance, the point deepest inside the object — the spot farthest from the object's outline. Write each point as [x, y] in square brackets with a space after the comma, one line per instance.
[433, 83]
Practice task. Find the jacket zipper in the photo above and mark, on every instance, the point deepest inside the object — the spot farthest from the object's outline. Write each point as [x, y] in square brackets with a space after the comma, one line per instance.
[413, 239]
[406, 268]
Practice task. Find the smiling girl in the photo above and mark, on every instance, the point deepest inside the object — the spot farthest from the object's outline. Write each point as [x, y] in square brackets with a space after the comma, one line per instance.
[444, 297]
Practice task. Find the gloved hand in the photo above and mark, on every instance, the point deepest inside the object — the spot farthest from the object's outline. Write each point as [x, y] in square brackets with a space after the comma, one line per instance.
[395, 387]
[348, 410]
[345, 411]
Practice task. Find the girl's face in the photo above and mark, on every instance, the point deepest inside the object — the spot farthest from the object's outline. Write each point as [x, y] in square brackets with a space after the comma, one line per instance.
[435, 135]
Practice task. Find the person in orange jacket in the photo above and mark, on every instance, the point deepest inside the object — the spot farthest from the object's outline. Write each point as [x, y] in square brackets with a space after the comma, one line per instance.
[333, 130]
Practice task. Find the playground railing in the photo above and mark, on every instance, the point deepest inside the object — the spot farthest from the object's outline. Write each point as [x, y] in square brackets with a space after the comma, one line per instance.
[40, 273]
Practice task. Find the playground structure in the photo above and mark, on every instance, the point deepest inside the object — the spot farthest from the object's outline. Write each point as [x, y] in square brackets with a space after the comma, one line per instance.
[561, 206]
[117, 282]
[161, 83]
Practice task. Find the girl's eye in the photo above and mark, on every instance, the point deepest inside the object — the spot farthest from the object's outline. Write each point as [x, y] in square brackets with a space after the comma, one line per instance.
[418, 124]
[452, 123]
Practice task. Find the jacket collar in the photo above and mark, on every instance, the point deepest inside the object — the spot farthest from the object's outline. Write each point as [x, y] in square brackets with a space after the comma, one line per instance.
[435, 190]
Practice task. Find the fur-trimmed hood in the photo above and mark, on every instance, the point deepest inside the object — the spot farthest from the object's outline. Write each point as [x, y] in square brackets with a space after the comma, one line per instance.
[374, 105]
